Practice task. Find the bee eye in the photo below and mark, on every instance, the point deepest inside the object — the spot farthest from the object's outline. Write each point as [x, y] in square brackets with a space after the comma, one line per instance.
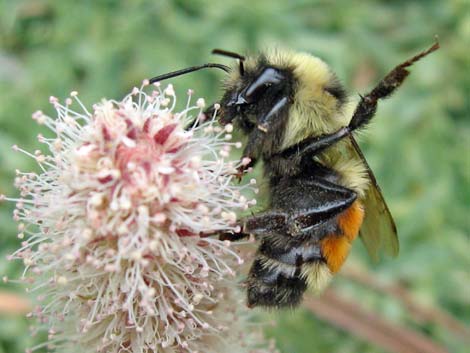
[265, 80]
[256, 94]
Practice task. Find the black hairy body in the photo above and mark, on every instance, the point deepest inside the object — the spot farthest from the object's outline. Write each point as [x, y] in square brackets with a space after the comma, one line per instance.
[308, 206]
[292, 109]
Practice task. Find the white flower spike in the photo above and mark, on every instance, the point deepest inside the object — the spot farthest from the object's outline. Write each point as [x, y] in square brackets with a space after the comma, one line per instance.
[112, 227]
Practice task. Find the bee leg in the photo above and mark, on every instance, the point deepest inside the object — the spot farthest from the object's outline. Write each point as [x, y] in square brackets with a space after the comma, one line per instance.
[258, 138]
[367, 106]
[306, 220]
[292, 257]
[251, 151]
[272, 222]
[243, 168]
[300, 222]
[334, 200]
[233, 236]
[314, 145]
[263, 224]
[265, 121]
[364, 112]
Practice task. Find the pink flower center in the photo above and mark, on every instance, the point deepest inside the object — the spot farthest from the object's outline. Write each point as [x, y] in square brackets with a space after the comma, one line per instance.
[129, 159]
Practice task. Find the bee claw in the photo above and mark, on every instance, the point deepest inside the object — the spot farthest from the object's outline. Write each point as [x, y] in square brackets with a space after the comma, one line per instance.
[263, 128]
[240, 172]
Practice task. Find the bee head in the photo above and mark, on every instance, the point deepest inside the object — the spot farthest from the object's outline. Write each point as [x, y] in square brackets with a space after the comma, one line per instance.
[288, 95]
[254, 95]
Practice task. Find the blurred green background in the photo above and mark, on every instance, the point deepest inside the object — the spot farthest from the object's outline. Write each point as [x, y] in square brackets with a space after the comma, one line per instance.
[418, 145]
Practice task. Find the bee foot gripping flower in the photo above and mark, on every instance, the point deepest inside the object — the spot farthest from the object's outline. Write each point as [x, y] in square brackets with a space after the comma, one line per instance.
[112, 227]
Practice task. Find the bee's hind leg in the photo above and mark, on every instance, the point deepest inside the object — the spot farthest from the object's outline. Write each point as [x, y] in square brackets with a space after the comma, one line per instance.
[290, 221]
[367, 106]
[364, 112]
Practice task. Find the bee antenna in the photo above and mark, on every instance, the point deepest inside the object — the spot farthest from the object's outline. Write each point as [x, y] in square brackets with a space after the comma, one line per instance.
[234, 55]
[241, 67]
[230, 54]
[188, 70]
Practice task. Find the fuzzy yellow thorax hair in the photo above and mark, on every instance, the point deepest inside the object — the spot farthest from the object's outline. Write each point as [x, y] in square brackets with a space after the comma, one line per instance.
[314, 111]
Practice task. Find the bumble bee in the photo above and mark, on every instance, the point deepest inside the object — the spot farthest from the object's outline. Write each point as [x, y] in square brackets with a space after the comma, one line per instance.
[292, 108]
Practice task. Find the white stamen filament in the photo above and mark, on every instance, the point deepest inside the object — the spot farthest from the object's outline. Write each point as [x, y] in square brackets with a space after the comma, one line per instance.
[113, 227]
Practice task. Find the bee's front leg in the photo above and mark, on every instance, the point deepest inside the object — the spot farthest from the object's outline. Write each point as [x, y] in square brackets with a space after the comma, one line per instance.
[264, 136]
[268, 223]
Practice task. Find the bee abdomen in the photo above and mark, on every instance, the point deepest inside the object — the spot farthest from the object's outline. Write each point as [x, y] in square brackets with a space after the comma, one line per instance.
[335, 247]
[277, 277]
[274, 284]
[290, 254]
[286, 265]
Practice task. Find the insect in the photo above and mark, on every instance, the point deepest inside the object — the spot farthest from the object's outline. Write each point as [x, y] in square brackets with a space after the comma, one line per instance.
[292, 108]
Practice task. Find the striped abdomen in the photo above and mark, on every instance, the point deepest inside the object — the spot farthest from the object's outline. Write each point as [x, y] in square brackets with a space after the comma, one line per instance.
[286, 265]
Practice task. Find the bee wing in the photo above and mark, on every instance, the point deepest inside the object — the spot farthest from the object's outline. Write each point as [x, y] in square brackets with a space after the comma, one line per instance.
[378, 231]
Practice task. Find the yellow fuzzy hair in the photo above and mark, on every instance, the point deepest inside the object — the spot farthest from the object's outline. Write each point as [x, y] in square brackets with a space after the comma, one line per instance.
[342, 159]
[314, 112]
[272, 264]
[318, 275]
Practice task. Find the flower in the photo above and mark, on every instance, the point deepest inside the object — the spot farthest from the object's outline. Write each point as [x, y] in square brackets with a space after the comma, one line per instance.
[115, 228]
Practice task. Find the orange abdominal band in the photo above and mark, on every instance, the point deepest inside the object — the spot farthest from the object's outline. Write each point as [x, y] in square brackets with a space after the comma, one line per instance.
[335, 247]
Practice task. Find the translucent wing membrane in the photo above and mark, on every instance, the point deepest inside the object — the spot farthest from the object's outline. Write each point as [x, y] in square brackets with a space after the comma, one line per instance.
[378, 231]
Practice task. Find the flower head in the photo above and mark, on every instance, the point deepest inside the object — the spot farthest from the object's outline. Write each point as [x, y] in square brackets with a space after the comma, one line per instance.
[114, 228]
